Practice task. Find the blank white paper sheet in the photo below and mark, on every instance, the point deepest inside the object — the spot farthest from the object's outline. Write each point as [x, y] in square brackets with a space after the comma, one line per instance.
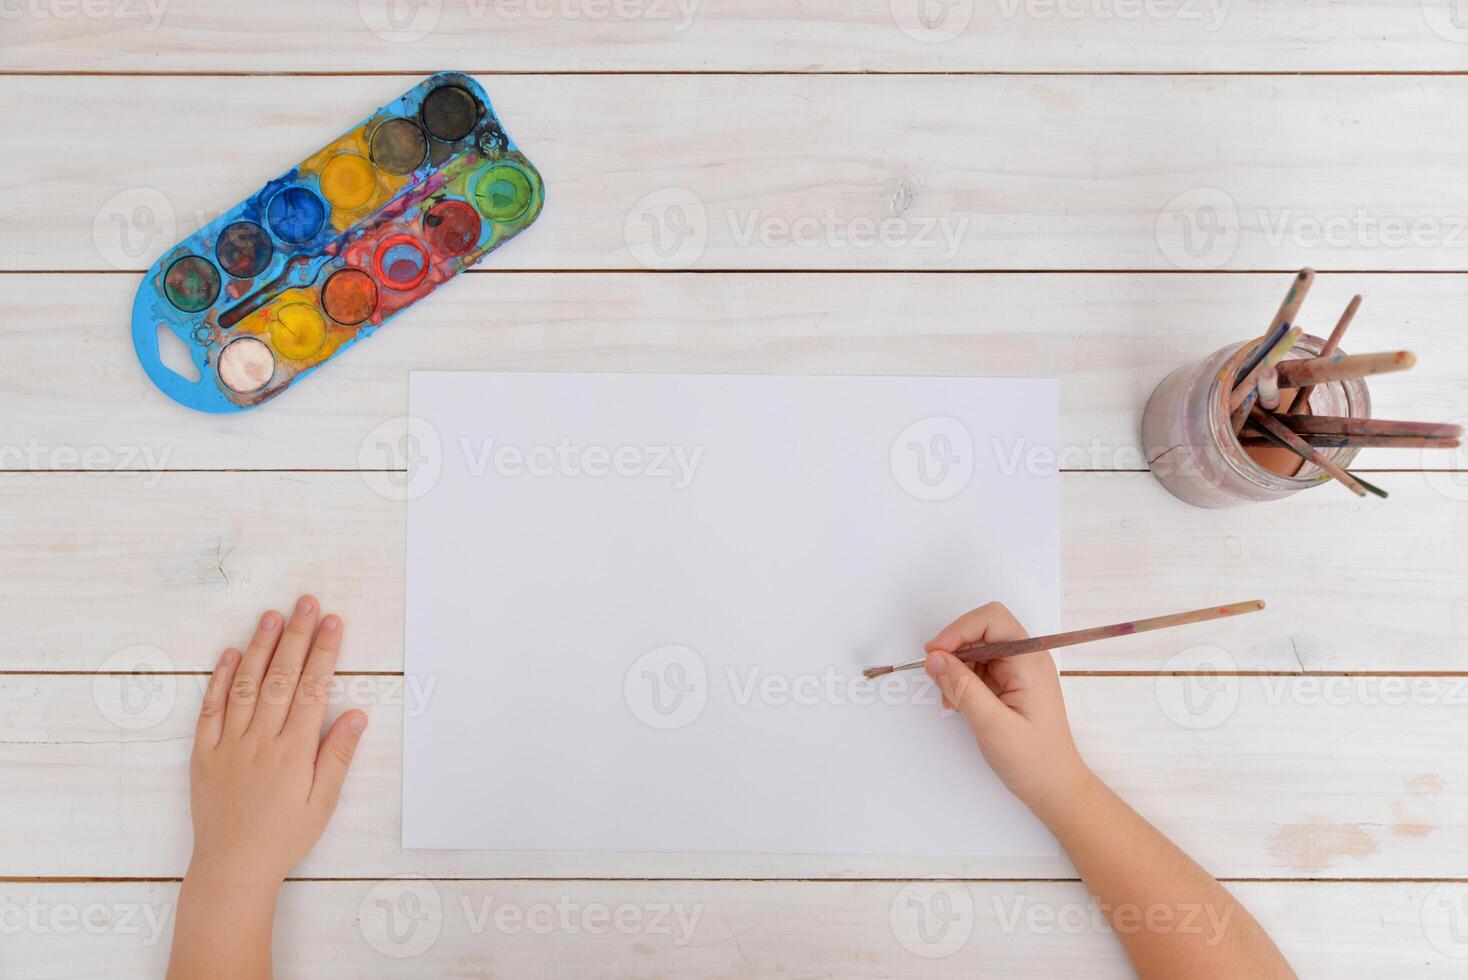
[642, 604]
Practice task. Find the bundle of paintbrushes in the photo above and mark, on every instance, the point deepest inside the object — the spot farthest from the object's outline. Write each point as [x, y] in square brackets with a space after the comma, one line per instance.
[1269, 404]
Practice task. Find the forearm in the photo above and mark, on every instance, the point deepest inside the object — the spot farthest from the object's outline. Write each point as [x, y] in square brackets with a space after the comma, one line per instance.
[1173, 918]
[222, 927]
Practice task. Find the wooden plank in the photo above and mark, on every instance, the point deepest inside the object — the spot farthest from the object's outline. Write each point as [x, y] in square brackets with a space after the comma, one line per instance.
[848, 172]
[415, 929]
[1268, 777]
[91, 564]
[1111, 338]
[758, 35]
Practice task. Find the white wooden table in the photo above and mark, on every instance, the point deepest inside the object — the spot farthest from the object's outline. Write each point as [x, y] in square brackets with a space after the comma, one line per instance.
[1067, 149]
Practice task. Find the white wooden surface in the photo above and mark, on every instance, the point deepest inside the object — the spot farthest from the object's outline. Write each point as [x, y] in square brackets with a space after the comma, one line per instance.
[1327, 783]
[1075, 172]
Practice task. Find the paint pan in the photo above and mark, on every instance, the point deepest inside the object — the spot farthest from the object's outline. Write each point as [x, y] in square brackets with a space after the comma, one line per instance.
[336, 246]
[1192, 448]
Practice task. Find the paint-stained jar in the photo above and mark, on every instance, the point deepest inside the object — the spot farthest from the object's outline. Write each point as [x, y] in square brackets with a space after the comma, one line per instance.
[1191, 446]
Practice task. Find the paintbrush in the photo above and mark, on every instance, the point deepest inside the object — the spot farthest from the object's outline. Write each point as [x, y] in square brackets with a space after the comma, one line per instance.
[1269, 388]
[1331, 425]
[1266, 423]
[1247, 391]
[1339, 367]
[1344, 441]
[981, 653]
[1332, 343]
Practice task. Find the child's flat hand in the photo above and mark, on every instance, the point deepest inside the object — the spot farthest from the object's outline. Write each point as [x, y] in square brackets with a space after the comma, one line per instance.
[1013, 705]
[263, 781]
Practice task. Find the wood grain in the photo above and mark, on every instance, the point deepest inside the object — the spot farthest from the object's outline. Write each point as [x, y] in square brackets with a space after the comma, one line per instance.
[74, 397]
[1254, 776]
[91, 564]
[905, 173]
[739, 930]
[757, 35]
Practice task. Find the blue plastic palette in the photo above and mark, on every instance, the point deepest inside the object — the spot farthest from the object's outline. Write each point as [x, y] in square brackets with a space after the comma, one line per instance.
[326, 253]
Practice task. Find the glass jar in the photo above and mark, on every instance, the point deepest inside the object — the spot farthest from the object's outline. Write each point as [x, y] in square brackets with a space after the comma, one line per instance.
[1191, 446]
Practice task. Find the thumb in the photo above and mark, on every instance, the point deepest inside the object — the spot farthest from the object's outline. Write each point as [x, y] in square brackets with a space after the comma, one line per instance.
[965, 691]
[335, 757]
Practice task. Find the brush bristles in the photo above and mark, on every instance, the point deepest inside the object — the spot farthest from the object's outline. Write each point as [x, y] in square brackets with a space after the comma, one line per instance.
[871, 672]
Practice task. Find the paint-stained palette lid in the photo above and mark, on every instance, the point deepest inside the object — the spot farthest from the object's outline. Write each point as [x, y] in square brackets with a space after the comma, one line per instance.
[327, 252]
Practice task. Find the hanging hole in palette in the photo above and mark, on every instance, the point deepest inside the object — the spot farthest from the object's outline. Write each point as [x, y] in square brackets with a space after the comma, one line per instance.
[176, 355]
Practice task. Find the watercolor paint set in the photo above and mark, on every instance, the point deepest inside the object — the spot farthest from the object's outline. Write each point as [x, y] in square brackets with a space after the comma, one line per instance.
[326, 253]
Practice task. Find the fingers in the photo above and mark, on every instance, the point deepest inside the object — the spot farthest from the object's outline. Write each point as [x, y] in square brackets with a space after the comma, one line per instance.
[966, 692]
[245, 691]
[990, 622]
[281, 677]
[314, 691]
[216, 697]
[335, 757]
